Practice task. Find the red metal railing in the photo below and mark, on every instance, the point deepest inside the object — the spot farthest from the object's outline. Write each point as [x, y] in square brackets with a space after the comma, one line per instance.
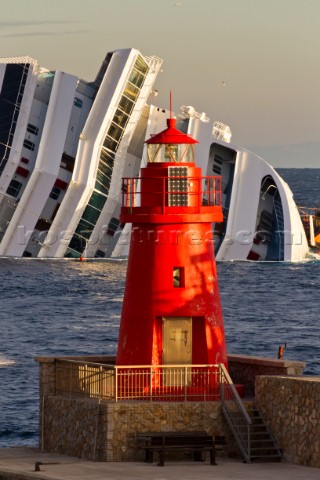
[200, 191]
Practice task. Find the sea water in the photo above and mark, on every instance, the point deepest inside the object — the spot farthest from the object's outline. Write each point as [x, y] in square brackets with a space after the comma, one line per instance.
[66, 307]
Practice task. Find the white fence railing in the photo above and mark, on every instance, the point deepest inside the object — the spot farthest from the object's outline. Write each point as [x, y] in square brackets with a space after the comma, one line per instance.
[139, 383]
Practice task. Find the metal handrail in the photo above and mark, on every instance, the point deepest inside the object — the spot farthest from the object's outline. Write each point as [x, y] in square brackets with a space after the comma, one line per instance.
[232, 405]
[211, 193]
[235, 394]
[138, 382]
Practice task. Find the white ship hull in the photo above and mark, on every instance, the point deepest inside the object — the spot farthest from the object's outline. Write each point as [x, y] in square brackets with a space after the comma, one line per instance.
[70, 142]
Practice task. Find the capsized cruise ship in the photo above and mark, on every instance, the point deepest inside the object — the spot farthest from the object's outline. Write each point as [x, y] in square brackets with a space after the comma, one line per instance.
[64, 148]
[66, 143]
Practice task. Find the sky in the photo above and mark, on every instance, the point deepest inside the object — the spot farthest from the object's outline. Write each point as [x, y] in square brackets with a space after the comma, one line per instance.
[252, 64]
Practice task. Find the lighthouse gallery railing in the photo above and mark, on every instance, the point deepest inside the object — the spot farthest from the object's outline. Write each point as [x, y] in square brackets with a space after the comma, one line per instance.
[139, 383]
[187, 189]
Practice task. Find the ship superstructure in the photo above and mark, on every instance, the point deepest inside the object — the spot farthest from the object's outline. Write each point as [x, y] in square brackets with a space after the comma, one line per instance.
[91, 206]
[38, 176]
[261, 219]
[61, 136]
[66, 143]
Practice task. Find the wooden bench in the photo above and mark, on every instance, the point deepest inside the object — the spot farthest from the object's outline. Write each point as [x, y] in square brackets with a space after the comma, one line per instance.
[189, 442]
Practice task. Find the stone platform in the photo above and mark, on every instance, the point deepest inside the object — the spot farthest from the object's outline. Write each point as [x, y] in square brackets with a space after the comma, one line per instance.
[19, 464]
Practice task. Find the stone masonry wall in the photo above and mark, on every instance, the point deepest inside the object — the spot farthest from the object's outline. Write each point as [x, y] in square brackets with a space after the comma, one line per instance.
[291, 406]
[70, 426]
[244, 369]
[106, 431]
[126, 419]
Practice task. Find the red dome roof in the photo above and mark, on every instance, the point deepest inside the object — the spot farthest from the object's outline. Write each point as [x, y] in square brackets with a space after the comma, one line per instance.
[171, 135]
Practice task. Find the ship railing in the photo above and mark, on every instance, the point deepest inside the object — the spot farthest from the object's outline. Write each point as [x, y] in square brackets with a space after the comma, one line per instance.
[172, 192]
[235, 413]
[138, 382]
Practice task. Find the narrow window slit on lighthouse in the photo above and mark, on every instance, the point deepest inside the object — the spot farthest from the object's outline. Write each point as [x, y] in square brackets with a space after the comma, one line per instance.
[178, 277]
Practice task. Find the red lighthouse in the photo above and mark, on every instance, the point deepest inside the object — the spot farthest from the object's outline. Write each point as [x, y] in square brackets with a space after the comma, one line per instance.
[171, 310]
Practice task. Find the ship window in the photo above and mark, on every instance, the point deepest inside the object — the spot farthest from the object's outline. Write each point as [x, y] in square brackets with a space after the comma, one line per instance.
[103, 178]
[77, 102]
[106, 156]
[77, 244]
[115, 132]
[126, 105]
[121, 118]
[178, 277]
[141, 65]
[102, 184]
[84, 229]
[55, 192]
[131, 91]
[42, 225]
[97, 200]
[67, 162]
[29, 145]
[14, 188]
[110, 143]
[91, 214]
[113, 225]
[136, 78]
[32, 129]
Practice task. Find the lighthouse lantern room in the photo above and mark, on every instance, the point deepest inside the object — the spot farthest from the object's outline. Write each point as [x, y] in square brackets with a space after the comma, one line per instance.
[171, 311]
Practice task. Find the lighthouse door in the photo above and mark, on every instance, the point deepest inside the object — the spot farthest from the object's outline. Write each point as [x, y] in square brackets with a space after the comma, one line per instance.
[177, 343]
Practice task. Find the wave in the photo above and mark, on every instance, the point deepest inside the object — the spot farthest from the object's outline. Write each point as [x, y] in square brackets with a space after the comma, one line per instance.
[5, 362]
